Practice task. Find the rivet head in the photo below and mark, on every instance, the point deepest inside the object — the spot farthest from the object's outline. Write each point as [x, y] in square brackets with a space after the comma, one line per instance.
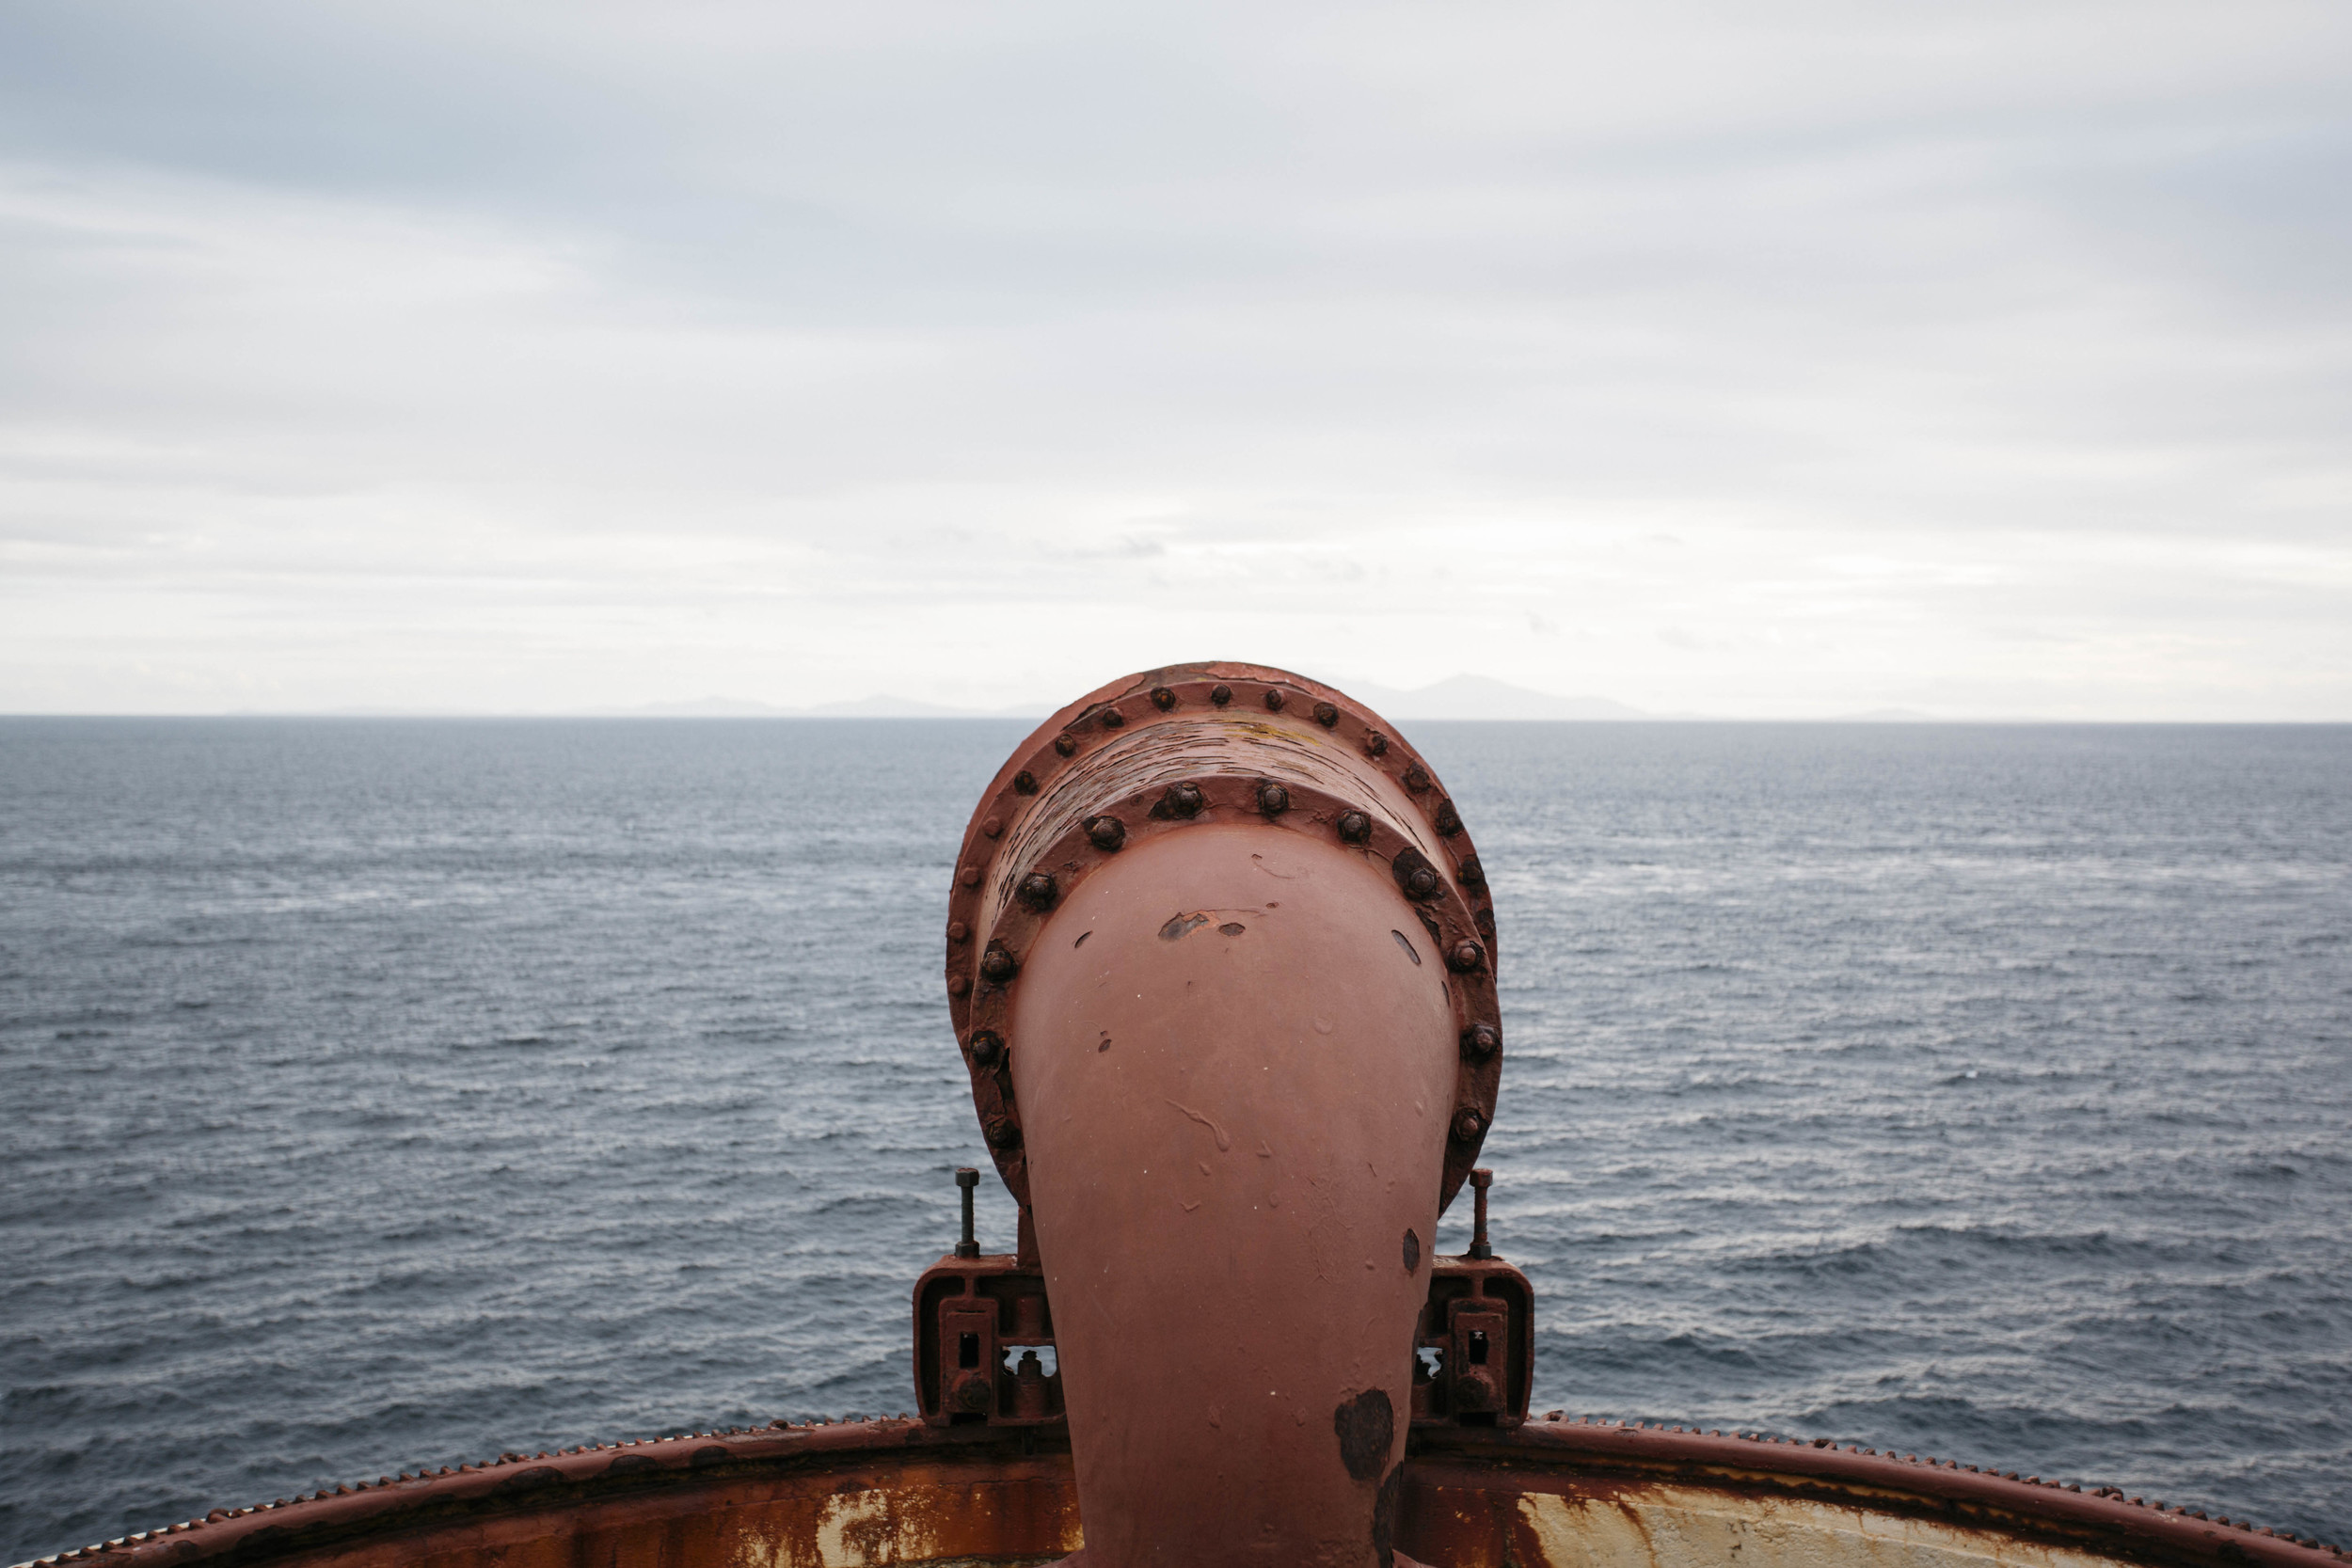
[1273, 799]
[1004, 1134]
[986, 1047]
[1480, 1041]
[1449, 821]
[1273, 699]
[993, 828]
[1025, 782]
[1162, 698]
[1037, 890]
[1464, 958]
[1471, 872]
[1113, 719]
[1327, 715]
[959, 985]
[1182, 800]
[1106, 832]
[998, 965]
[1468, 1125]
[1221, 694]
[969, 876]
[958, 930]
[1354, 826]
[1377, 743]
[1416, 778]
[1065, 744]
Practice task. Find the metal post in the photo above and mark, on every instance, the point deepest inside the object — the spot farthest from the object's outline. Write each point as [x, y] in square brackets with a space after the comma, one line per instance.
[968, 1178]
[1480, 1181]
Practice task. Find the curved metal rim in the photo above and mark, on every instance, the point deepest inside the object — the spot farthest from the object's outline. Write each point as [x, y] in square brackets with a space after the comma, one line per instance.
[2100, 1519]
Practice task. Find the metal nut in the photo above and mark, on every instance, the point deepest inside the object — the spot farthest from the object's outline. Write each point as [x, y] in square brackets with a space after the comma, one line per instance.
[1037, 890]
[969, 876]
[1354, 826]
[1182, 800]
[1480, 1041]
[998, 965]
[1065, 744]
[1025, 782]
[1416, 778]
[986, 1047]
[1327, 715]
[958, 930]
[1106, 832]
[1273, 699]
[1273, 799]
[1471, 872]
[1377, 743]
[1468, 1125]
[1004, 1134]
[1162, 698]
[991, 827]
[1464, 958]
[1112, 718]
[1449, 821]
[1221, 694]
[959, 985]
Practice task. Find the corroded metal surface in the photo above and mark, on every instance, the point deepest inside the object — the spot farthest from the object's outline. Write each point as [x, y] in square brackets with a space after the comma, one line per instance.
[864, 1494]
[1203, 746]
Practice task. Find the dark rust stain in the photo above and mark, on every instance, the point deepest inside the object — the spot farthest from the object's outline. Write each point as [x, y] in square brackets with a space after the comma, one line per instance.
[1412, 1252]
[1232, 928]
[1366, 1425]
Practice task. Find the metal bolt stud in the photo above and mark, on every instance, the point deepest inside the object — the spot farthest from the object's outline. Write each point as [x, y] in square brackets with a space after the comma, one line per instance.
[1106, 832]
[1273, 799]
[1464, 958]
[987, 1047]
[1471, 872]
[1480, 1181]
[1113, 719]
[1162, 698]
[1416, 778]
[1327, 715]
[1182, 800]
[1423, 881]
[1025, 782]
[1480, 1041]
[1468, 1125]
[967, 1178]
[958, 930]
[1377, 743]
[991, 827]
[998, 965]
[1273, 699]
[1449, 821]
[1221, 694]
[959, 985]
[1065, 744]
[1037, 891]
[1354, 826]
[969, 876]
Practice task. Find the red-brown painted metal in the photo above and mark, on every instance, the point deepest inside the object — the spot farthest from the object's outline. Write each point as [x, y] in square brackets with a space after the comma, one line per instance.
[874, 1492]
[1224, 971]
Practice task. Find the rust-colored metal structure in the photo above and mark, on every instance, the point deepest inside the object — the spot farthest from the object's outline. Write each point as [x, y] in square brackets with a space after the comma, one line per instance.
[1221, 963]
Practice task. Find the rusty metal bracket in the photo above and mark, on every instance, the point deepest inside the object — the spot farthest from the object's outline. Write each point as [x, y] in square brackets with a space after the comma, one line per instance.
[984, 1344]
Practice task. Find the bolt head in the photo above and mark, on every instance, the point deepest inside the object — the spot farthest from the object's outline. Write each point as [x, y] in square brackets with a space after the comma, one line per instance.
[1480, 1041]
[1464, 958]
[1471, 872]
[1037, 891]
[998, 965]
[959, 985]
[1162, 698]
[1327, 715]
[1354, 826]
[1416, 778]
[969, 876]
[1221, 694]
[1449, 821]
[1422, 882]
[987, 1046]
[1106, 832]
[993, 828]
[1025, 782]
[1482, 1179]
[1468, 1125]
[1113, 719]
[1273, 699]
[958, 930]
[1183, 799]
[1377, 743]
[1273, 799]
[1065, 744]
[967, 1176]
[1004, 1134]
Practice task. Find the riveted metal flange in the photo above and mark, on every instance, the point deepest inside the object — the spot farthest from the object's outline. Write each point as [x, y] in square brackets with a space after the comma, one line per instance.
[1162, 750]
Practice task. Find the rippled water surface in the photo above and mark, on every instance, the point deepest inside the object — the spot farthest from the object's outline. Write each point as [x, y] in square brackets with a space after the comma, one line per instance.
[386, 1094]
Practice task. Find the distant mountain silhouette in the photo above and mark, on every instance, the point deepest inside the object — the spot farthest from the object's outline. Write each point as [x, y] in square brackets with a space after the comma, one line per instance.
[1479, 697]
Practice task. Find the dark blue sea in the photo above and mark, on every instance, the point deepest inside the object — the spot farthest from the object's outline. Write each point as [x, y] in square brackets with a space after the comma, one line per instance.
[384, 1094]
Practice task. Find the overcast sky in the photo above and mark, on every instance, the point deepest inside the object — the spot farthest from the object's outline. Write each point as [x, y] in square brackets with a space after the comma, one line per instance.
[1747, 359]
